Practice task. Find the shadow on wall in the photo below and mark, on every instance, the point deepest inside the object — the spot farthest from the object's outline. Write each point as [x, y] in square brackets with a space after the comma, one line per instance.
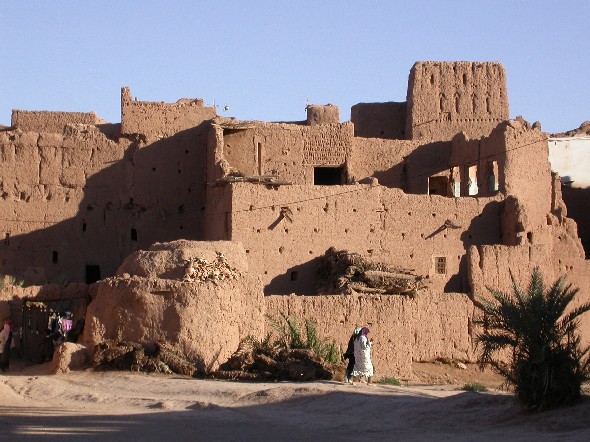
[484, 229]
[411, 175]
[152, 193]
[301, 280]
[576, 201]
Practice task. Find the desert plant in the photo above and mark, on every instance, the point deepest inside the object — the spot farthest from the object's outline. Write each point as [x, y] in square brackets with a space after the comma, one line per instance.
[474, 387]
[545, 363]
[9, 280]
[389, 380]
[290, 336]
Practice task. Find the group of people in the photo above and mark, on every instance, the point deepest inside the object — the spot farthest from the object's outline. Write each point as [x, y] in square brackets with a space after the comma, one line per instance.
[6, 344]
[358, 354]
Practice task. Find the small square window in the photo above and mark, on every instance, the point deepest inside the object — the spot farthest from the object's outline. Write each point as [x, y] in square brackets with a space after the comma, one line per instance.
[294, 275]
[440, 265]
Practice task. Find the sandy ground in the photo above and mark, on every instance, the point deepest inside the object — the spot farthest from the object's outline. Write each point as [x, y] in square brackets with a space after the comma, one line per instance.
[89, 405]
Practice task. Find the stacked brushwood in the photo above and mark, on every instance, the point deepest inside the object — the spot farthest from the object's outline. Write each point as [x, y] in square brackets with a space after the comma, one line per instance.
[131, 356]
[264, 362]
[344, 272]
[200, 269]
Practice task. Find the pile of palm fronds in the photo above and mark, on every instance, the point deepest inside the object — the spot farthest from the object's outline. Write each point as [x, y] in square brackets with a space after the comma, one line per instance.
[131, 356]
[343, 272]
[294, 354]
[546, 365]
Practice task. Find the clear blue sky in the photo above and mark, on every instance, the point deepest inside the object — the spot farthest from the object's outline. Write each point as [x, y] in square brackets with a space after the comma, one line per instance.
[266, 58]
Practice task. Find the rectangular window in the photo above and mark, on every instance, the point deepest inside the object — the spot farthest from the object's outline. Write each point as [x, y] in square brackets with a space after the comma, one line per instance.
[440, 265]
[328, 176]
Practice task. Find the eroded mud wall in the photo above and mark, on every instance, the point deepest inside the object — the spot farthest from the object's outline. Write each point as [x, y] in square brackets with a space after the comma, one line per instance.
[404, 330]
[447, 98]
[77, 201]
[286, 230]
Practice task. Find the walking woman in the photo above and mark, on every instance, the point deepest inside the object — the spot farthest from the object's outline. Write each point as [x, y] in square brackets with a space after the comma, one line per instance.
[5, 345]
[363, 366]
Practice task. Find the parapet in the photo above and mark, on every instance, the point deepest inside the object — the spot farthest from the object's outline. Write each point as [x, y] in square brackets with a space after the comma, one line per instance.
[445, 98]
[327, 114]
[54, 122]
[379, 120]
[157, 119]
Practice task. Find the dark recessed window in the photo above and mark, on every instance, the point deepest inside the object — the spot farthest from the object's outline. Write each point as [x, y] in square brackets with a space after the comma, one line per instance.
[54, 257]
[294, 275]
[133, 235]
[92, 273]
[328, 176]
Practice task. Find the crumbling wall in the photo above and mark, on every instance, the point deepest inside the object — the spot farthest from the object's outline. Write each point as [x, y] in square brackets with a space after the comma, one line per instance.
[328, 114]
[75, 203]
[379, 120]
[147, 302]
[447, 98]
[158, 120]
[290, 151]
[430, 326]
[285, 230]
[54, 122]
[382, 159]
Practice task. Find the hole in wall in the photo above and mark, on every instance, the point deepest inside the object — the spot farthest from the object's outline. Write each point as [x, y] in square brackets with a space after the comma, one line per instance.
[181, 227]
[83, 226]
[7, 239]
[153, 169]
[328, 176]
[281, 249]
[54, 256]
[133, 234]
[92, 273]
[294, 275]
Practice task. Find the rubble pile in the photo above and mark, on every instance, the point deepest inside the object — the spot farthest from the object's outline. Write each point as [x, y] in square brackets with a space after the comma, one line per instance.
[344, 272]
[267, 363]
[200, 269]
[131, 356]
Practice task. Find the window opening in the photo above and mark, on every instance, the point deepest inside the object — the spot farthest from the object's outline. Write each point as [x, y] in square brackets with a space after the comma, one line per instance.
[492, 176]
[328, 176]
[133, 235]
[259, 158]
[83, 226]
[7, 239]
[294, 275]
[438, 185]
[440, 265]
[92, 273]
[472, 183]
[54, 257]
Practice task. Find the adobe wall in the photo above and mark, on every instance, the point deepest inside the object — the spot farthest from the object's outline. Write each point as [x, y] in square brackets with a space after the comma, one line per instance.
[379, 120]
[385, 160]
[156, 120]
[430, 326]
[328, 114]
[288, 150]
[569, 158]
[379, 223]
[54, 122]
[78, 198]
[447, 98]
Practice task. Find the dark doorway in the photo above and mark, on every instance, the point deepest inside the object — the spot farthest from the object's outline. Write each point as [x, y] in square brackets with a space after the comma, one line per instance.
[328, 176]
[92, 274]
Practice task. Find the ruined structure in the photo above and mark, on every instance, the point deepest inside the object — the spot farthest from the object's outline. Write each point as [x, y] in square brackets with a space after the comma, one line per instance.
[443, 184]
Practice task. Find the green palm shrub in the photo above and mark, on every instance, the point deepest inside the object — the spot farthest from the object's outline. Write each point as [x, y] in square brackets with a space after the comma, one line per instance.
[290, 336]
[531, 330]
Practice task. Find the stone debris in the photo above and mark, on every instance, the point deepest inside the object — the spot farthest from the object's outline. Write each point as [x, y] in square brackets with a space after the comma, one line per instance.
[200, 269]
[344, 272]
[267, 363]
[131, 356]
